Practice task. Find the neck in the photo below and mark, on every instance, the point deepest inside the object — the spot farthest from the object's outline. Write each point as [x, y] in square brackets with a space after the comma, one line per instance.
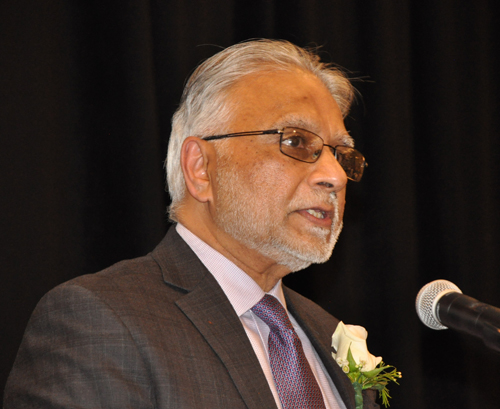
[264, 271]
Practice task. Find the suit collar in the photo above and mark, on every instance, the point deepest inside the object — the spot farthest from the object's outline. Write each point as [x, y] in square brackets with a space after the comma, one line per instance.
[208, 308]
[179, 265]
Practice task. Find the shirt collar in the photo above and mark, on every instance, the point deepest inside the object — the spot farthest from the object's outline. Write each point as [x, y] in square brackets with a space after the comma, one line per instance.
[241, 290]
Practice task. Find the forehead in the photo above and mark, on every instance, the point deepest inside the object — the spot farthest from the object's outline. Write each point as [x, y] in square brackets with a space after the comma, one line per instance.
[275, 99]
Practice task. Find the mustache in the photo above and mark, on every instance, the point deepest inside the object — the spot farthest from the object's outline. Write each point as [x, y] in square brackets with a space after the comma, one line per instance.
[318, 198]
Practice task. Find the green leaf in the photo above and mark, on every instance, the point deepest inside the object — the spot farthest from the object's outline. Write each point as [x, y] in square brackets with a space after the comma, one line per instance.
[374, 372]
[375, 379]
[350, 359]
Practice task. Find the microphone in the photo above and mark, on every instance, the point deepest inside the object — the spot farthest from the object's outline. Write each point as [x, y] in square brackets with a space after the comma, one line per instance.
[440, 304]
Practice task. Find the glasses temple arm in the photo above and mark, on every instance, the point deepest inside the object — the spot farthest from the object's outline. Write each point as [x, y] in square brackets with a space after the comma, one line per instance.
[234, 135]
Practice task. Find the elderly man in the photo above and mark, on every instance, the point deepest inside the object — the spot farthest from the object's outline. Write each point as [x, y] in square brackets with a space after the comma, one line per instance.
[257, 169]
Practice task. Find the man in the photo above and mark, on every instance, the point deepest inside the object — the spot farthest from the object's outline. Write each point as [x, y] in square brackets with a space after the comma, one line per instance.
[257, 170]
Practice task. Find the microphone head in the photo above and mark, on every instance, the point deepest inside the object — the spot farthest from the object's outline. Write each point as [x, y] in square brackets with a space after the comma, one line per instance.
[427, 299]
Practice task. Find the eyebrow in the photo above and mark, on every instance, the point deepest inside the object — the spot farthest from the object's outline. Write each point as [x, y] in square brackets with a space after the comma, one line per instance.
[346, 139]
[296, 121]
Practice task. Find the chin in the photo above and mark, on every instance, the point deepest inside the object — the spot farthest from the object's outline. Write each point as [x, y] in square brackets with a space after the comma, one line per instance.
[299, 253]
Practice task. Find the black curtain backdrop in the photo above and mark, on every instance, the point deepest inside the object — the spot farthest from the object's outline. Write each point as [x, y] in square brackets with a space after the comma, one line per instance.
[87, 92]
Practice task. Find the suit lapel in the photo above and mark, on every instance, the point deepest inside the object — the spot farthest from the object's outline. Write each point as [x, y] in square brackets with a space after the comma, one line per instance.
[321, 340]
[208, 308]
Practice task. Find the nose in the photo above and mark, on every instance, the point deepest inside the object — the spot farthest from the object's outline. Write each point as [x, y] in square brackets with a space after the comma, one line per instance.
[327, 173]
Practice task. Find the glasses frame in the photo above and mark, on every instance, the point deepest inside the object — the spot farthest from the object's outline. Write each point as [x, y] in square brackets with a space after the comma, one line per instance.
[281, 132]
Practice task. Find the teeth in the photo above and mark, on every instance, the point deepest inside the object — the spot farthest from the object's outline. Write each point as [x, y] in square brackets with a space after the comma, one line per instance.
[319, 215]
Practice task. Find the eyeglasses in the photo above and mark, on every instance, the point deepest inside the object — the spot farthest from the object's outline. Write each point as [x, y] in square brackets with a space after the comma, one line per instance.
[306, 146]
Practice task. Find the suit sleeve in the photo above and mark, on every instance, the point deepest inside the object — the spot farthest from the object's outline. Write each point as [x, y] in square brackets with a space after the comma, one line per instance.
[77, 353]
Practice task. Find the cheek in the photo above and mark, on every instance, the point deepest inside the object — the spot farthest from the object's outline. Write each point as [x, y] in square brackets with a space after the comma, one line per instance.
[272, 179]
[268, 175]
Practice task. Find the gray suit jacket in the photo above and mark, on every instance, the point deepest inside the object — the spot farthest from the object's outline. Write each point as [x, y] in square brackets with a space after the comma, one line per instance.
[153, 332]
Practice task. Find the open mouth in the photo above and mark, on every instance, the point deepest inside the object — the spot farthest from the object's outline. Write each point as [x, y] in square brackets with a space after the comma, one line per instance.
[319, 214]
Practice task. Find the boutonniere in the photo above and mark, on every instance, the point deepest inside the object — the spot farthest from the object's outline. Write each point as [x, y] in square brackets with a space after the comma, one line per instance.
[363, 369]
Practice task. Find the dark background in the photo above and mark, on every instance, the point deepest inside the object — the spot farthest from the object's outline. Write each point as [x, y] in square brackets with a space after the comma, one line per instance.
[87, 91]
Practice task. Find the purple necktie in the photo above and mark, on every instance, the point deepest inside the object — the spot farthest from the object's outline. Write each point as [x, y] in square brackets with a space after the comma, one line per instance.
[295, 382]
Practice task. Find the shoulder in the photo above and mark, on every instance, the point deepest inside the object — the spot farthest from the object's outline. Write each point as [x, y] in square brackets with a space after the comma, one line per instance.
[112, 289]
[149, 280]
[125, 277]
[125, 296]
[103, 325]
[107, 302]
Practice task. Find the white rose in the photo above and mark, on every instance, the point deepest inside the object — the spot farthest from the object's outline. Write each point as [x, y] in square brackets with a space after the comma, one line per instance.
[353, 336]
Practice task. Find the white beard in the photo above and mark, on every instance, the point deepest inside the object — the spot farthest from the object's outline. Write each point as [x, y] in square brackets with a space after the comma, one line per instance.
[263, 227]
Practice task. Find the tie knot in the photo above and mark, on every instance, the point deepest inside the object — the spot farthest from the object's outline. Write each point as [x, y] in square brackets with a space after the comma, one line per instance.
[270, 310]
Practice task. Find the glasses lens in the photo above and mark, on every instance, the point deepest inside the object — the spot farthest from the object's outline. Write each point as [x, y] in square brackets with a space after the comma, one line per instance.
[301, 144]
[306, 146]
[352, 161]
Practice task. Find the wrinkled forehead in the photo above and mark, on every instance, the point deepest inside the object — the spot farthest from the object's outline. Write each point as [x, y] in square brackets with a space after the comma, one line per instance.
[278, 99]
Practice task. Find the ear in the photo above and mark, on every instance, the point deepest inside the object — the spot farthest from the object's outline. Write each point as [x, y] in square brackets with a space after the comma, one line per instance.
[194, 163]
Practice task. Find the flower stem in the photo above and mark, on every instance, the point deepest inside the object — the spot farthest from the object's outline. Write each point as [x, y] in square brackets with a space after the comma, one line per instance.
[358, 395]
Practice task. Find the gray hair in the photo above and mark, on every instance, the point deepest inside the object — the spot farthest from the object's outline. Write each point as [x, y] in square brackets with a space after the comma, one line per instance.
[203, 109]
